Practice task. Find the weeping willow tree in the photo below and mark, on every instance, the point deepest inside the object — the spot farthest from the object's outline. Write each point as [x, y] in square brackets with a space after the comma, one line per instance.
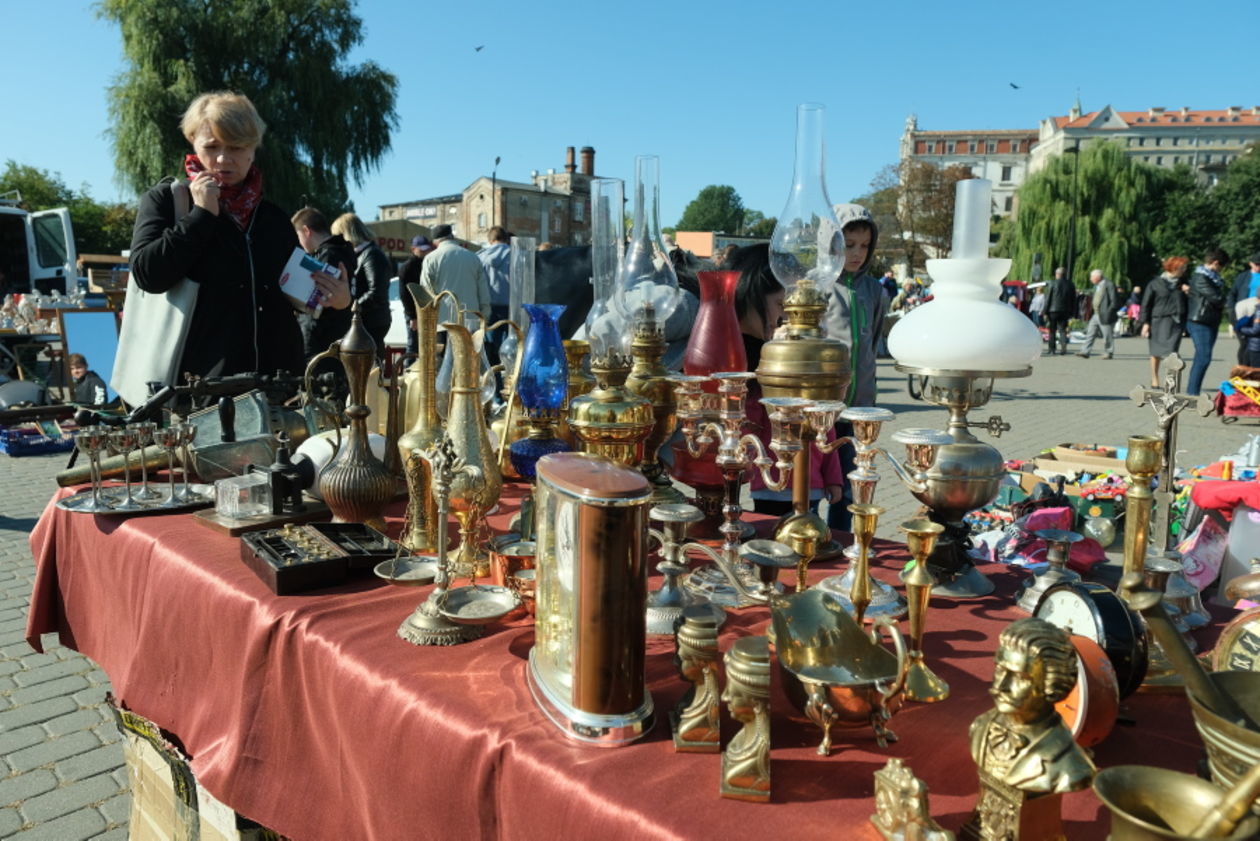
[1116, 202]
[327, 121]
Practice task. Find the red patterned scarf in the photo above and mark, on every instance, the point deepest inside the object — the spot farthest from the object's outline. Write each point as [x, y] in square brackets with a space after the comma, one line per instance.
[237, 202]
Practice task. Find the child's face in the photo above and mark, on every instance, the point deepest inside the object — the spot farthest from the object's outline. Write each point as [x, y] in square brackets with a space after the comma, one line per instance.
[77, 371]
[857, 244]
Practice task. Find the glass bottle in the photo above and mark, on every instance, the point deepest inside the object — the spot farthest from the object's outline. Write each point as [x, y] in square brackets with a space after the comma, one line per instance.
[806, 243]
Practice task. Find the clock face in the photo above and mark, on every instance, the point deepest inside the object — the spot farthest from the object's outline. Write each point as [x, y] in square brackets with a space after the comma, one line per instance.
[1071, 611]
[1239, 647]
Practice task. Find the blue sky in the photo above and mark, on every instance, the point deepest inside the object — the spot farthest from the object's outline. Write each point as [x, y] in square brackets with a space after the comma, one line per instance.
[709, 87]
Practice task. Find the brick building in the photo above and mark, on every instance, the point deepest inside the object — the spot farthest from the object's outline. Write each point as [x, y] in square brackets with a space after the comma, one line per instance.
[553, 206]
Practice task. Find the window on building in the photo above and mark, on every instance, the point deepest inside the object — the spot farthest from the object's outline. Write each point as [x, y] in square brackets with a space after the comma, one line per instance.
[1159, 141]
[971, 147]
[1146, 159]
[949, 148]
[481, 220]
[1141, 141]
[556, 224]
[1207, 159]
[991, 147]
[579, 211]
[1010, 203]
[1006, 173]
[1159, 160]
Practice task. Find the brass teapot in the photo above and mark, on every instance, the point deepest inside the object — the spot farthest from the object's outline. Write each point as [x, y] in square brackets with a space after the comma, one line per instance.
[834, 671]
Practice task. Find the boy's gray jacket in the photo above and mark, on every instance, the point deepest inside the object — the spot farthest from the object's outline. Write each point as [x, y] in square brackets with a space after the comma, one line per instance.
[871, 304]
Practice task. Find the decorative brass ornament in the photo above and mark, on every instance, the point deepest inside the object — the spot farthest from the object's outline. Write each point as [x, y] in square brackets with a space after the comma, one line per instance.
[649, 378]
[901, 806]
[746, 760]
[425, 430]
[1025, 754]
[610, 421]
[1154, 804]
[801, 361]
[695, 721]
[1058, 551]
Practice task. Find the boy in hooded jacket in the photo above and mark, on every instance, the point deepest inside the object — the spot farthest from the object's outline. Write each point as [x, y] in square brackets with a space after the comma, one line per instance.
[855, 316]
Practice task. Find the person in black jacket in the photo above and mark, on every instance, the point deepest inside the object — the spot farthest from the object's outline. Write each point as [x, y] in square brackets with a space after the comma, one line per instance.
[1163, 312]
[1207, 302]
[371, 277]
[1060, 307]
[233, 243]
[1246, 285]
[318, 240]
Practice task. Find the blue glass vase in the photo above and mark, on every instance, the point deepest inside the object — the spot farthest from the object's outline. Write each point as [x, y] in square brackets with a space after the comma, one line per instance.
[542, 387]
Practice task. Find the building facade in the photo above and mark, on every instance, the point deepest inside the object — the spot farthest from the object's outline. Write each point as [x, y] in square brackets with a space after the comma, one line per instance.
[553, 206]
[1207, 141]
[999, 155]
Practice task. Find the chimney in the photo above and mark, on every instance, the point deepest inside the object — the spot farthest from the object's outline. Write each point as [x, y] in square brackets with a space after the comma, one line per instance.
[588, 160]
[569, 165]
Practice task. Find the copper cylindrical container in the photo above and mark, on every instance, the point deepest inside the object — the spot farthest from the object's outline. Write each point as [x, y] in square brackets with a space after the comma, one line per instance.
[587, 666]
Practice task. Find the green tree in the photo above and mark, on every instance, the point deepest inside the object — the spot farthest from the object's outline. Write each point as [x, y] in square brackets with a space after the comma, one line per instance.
[1117, 203]
[1235, 202]
[327, 121]
[98, 228]
[716, 208]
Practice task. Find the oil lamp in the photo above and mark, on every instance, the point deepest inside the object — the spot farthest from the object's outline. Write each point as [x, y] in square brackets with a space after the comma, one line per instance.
[542, 385]
[956, 368]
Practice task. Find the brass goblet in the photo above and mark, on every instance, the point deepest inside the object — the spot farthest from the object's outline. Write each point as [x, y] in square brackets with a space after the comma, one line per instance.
[865, 518]
[1145, 456]
[922, 684]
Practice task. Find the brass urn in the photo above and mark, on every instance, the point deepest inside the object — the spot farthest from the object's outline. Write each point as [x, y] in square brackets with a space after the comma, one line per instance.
[610, 421]
[355, 485]
[420, 399]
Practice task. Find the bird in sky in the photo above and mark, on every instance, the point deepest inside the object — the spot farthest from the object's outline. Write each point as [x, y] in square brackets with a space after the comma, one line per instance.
[479, 49]
[1012, 84]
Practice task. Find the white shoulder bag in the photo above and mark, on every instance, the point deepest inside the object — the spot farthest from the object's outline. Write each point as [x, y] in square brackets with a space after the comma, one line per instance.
[154, 327]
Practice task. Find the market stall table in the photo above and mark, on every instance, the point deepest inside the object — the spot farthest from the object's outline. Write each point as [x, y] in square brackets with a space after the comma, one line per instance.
[309, 715]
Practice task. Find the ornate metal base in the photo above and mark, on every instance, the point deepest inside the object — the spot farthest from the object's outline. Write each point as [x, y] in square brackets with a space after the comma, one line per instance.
[422, 629]
[709, 583]
[969, 584]
[951, 566]
[923, 686]
[1161, 676]
[682, 745]
[605, 731]
[886, 602]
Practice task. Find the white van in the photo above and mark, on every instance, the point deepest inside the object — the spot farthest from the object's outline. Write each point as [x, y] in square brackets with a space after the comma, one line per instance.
[36, 249]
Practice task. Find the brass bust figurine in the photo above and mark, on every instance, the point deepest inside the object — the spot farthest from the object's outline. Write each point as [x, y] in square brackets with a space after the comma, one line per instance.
[1025, 753]
[746, 760]
[695, 720]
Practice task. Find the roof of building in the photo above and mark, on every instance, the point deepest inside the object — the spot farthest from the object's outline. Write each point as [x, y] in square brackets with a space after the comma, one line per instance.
[435, 200]
[1162, 117]
[1003, 132]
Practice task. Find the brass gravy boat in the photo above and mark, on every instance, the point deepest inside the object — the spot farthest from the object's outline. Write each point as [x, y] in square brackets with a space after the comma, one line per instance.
[834, 671]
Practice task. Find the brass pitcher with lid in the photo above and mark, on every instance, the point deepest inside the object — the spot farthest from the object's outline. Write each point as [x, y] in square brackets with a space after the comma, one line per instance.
[471, 495]
[355, 485]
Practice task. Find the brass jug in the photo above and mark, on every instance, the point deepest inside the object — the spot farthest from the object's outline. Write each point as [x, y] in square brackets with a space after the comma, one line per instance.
[425, 427]
[471, 496]
[355, 485]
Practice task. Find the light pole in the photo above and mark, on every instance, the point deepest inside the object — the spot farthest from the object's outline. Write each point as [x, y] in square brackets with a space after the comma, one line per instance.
[494, 199]
[1076, 168]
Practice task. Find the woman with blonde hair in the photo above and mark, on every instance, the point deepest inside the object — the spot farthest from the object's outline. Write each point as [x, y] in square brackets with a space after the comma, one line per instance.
[1163, 312]
[217, 231]
[372, 277]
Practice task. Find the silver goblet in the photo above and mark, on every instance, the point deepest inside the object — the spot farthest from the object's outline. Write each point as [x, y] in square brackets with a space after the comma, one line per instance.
[187, 434]
[168, 438]
[123, 441]
[91, 441]
[144, 437]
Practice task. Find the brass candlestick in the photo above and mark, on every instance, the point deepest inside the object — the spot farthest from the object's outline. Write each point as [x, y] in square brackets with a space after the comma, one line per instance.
[1143, 462]
[922, 684]
[865, 518]
[732, 583]
[803, 530]
[921, 446]
[666, 606]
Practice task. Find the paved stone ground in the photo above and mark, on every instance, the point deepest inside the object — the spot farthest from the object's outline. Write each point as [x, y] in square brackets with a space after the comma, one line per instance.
[62, 776]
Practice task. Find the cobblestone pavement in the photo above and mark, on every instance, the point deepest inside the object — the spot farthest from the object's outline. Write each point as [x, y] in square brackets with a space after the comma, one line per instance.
[63, 777]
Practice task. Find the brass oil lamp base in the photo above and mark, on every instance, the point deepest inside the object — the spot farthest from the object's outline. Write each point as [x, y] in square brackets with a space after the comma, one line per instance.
[1058, 548]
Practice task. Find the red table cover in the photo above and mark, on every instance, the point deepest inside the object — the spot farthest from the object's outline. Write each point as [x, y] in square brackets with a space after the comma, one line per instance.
[308, 714]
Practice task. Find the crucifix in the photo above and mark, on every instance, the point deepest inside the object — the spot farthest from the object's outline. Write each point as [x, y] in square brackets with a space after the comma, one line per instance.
[1168, 403]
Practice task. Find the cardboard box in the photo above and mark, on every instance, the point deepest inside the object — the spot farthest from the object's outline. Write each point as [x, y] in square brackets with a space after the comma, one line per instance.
[1071, 466]
[1066, 454]
[167, 802]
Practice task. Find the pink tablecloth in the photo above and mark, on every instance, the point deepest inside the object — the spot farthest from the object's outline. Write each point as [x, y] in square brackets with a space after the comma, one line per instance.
[308, 714]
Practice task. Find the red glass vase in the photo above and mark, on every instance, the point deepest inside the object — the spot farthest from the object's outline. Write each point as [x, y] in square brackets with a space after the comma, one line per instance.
[716, 345]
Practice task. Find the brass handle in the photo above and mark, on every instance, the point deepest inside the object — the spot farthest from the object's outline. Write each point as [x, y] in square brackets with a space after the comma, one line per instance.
[903, 658]
[333, 352]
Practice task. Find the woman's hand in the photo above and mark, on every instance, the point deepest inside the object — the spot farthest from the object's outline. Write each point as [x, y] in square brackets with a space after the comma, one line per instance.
[205, 192]
[1146, 331]
[334, 292]
[835, 493]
